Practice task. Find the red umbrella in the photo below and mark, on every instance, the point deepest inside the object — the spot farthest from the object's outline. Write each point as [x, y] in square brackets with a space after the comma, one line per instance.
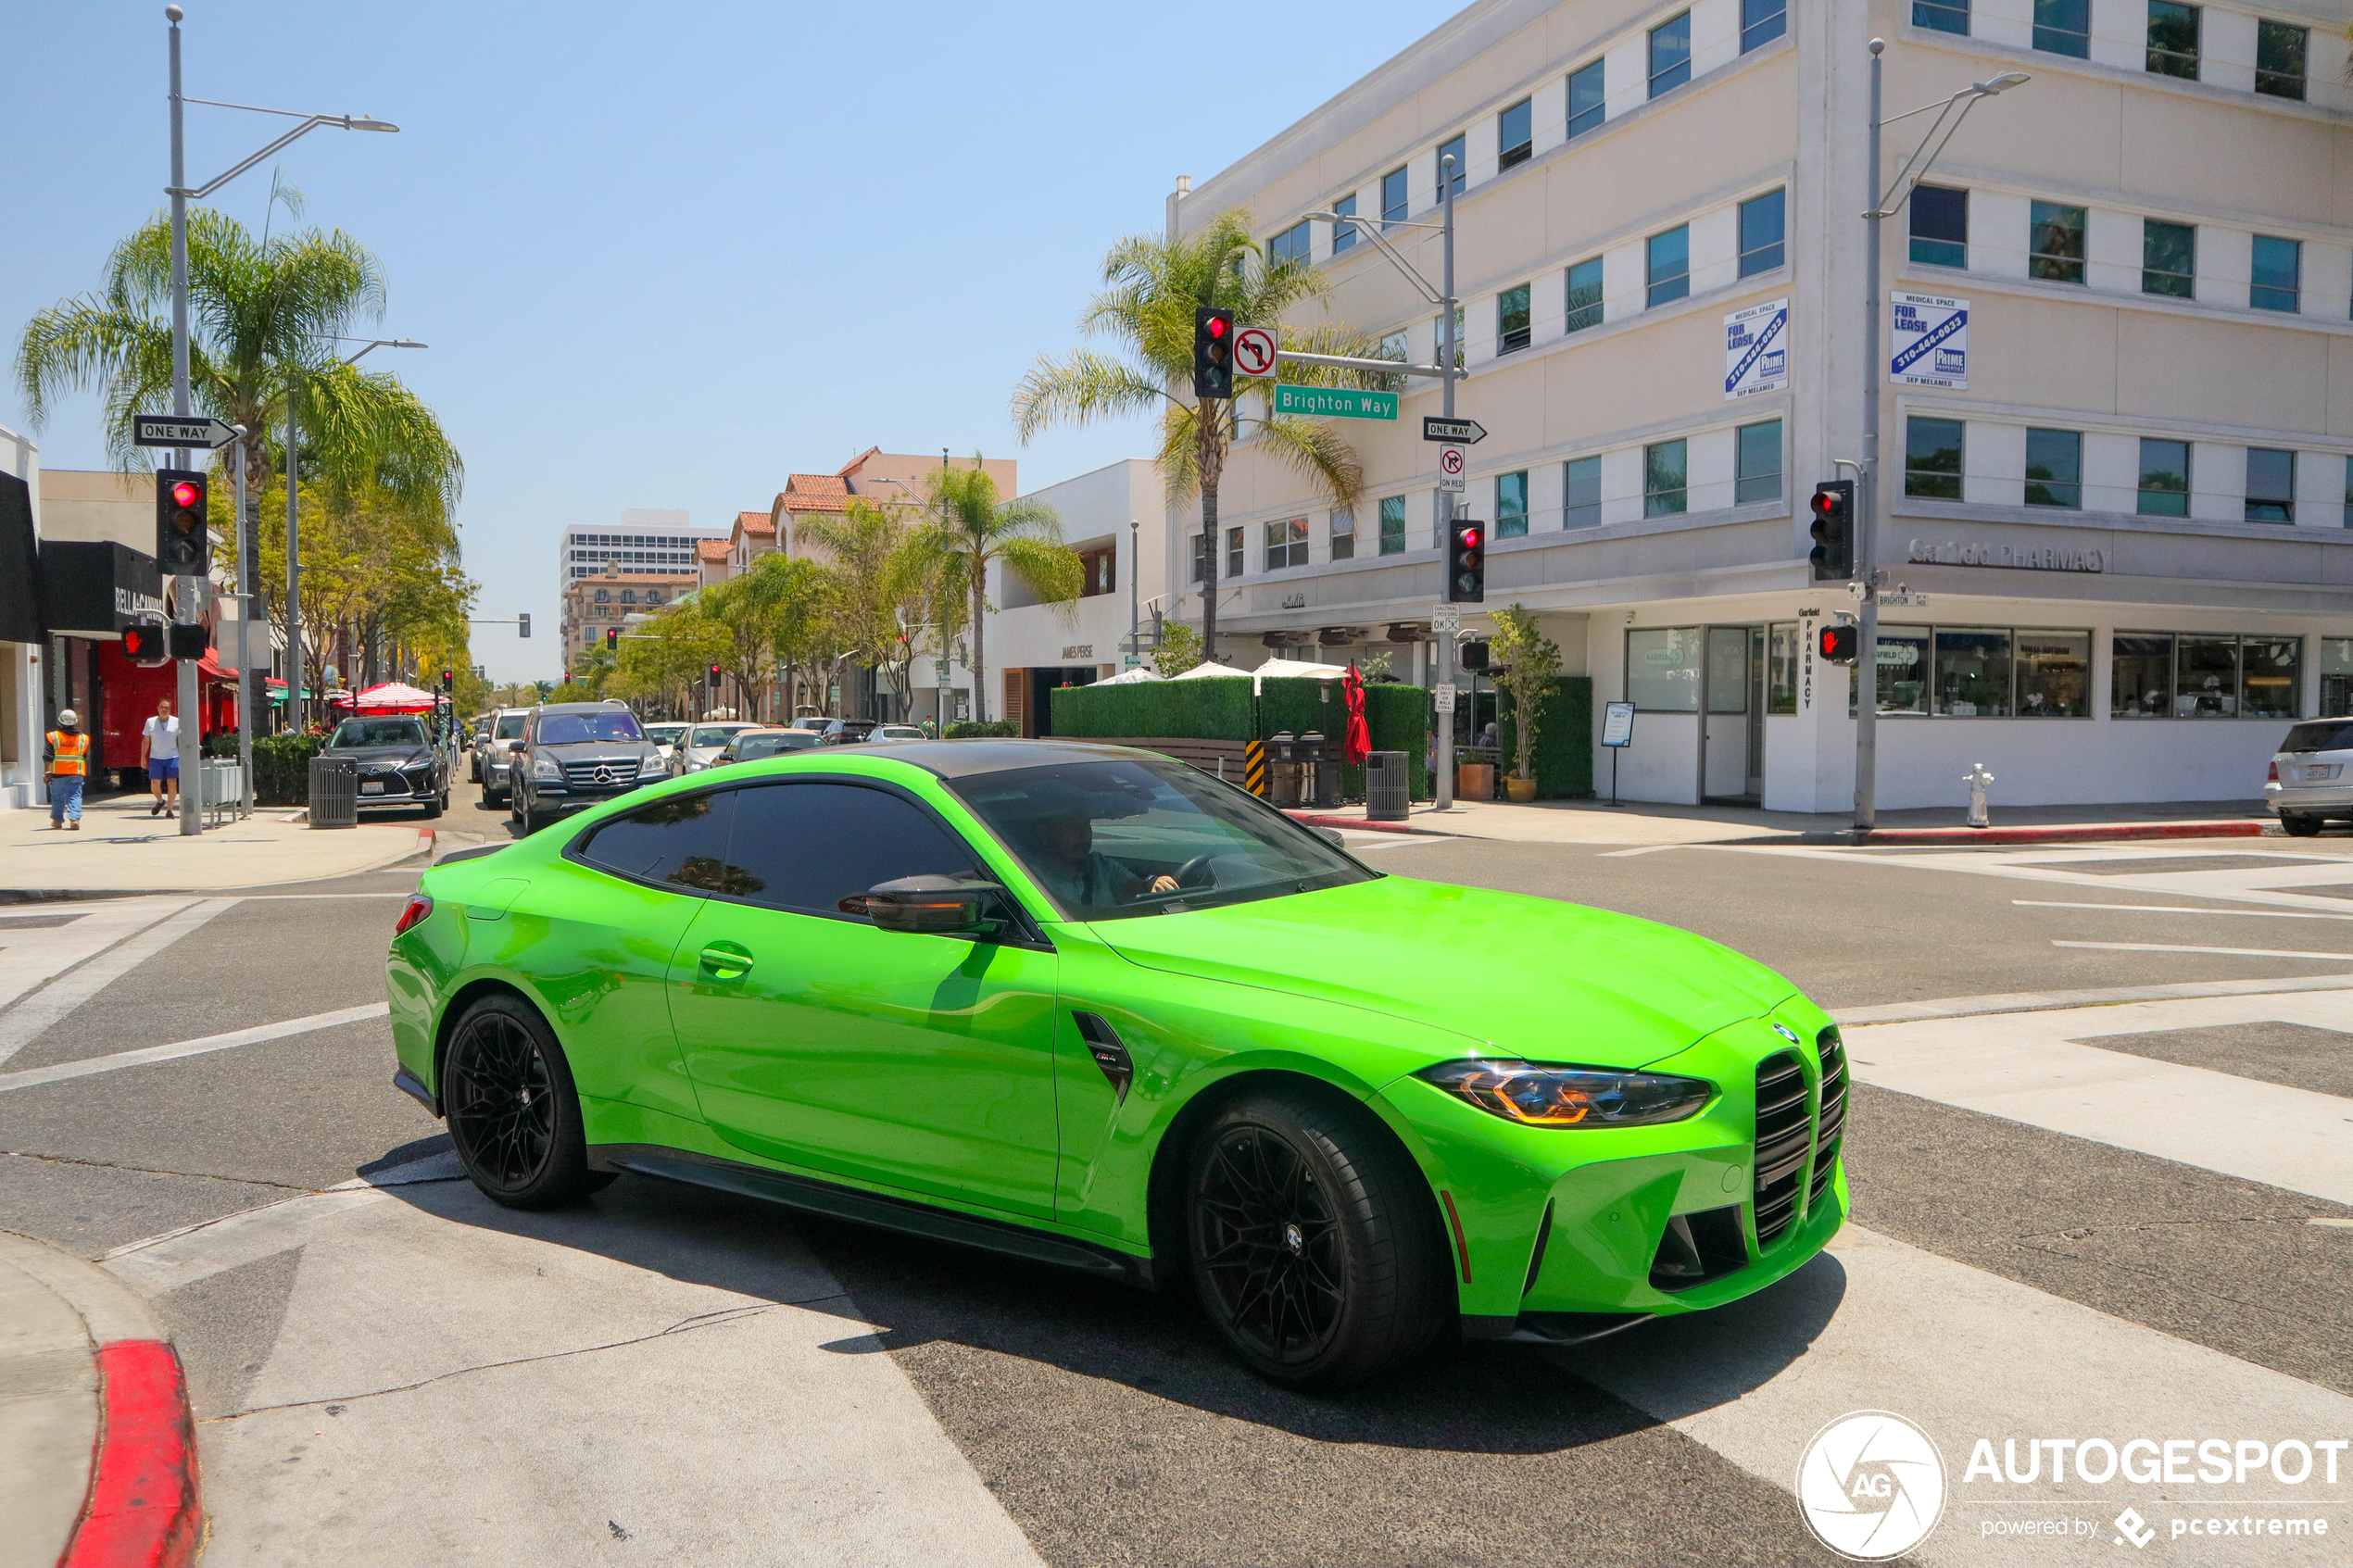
[1359, 743]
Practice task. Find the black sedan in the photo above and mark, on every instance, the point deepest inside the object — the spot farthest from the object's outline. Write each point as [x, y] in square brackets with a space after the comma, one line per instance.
[399, 763]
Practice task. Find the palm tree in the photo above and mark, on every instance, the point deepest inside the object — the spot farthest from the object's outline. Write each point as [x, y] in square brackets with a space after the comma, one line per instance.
[974, 528]
[882, 574]
[1151, 288]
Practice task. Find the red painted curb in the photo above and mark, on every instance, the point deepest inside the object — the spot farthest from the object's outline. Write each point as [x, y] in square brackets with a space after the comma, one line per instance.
[2095, 832]
[142, 1510]
[1317, 819]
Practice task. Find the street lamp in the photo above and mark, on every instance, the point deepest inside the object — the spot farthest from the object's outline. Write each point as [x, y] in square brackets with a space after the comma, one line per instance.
[1950, 112]
[191, 728]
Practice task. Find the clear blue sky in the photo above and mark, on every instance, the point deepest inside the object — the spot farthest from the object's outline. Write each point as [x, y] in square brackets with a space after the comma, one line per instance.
[665, 255]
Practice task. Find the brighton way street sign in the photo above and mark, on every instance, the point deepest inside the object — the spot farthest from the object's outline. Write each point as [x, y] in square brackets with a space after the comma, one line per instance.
[1334, 402]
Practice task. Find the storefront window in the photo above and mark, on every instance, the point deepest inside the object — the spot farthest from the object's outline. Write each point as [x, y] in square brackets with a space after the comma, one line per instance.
[1973, 672]
[2337, 677]
[1780, 666]
[1903, 669]
[1662, 669]
[2270, 667]
[2054, 674]
[2142, 668]
[2208, 683]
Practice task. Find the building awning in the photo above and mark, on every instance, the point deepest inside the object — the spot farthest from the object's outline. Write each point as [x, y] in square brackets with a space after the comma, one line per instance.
[94, 588]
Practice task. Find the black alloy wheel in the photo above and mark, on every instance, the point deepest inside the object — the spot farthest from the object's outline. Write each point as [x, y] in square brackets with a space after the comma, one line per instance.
[512, 1112]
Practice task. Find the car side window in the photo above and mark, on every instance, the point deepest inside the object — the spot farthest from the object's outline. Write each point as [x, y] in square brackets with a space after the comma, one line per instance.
[807, 847]
[680, 840]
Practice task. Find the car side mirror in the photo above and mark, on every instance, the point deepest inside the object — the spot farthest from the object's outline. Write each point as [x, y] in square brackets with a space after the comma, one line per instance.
[939, 906]
[514, 745]
[1334, 837]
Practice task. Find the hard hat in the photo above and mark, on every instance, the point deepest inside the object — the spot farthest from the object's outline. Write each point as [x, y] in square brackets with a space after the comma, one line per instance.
[68, 717]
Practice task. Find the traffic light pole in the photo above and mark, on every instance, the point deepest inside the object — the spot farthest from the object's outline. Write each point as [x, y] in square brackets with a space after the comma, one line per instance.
[1866, 676]
[1442, 755]
[187, 594]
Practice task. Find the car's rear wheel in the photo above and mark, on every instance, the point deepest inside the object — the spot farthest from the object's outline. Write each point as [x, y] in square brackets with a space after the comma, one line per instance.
[2299, 824]
[513, 1115]
[1314, 1240]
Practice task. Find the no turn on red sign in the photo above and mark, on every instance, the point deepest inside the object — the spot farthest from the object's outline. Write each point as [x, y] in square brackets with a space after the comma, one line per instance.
[1450, 468]
[1253, 352]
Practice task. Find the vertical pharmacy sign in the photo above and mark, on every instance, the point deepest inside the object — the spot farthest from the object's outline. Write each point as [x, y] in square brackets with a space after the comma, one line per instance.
[1756, 350]
[1929, 342]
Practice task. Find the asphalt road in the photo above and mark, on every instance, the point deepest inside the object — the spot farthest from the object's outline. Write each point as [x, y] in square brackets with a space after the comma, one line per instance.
[404, 1373]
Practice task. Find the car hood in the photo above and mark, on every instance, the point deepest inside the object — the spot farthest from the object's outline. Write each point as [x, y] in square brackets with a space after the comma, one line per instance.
[1511, 974]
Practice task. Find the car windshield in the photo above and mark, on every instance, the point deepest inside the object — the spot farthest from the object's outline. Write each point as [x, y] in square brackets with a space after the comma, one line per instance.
[1107, 840]
[2327, 734]
[571, 729]
[378, 732]
[714, 734]
[510, 726]
[750, 746]
[664, 734]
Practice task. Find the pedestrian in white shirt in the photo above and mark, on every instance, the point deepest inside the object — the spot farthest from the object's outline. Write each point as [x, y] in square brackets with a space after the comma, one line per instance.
[159, 750]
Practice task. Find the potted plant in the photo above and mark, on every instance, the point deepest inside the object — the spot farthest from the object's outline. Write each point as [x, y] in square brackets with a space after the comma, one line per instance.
[1531, 660]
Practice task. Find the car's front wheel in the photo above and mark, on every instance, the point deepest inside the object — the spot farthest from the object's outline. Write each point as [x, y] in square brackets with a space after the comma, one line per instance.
[1314, 1242]
[2300, 824]
[513, 1115]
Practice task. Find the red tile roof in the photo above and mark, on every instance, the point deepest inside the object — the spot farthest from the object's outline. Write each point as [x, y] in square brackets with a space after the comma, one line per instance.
[716, 549]
[755, 523]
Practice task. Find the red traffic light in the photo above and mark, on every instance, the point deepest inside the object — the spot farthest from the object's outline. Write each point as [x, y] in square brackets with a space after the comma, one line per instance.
[187, 493]
[1217, 326]
[144, 644]
[1826, 502]
[1470, 538]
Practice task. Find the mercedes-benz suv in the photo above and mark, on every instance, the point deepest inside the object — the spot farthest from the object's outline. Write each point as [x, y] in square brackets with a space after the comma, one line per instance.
[575, 754]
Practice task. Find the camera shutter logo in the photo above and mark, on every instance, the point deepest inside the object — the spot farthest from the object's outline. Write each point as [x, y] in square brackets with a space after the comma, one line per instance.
[1871, 1486]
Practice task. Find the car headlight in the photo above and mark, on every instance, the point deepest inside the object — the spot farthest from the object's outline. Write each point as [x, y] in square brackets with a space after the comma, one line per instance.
[652, 765]
[1536, 1094]
[548, 768]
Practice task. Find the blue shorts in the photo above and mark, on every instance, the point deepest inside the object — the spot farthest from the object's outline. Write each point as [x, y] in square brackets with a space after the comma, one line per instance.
[160, 768]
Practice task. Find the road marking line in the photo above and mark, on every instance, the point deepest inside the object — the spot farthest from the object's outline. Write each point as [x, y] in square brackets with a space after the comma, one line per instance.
[2175, 909]
[1647, 850]
[27, 1019]
[392, 893]
[60, 1072]
[2171, 947]
[2106, 995]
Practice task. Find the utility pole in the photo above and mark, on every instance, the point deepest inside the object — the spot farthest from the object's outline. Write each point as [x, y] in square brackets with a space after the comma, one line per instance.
[188, 589]
[1866, 493]
[251, 684]
[294, 578]
[1448, 507]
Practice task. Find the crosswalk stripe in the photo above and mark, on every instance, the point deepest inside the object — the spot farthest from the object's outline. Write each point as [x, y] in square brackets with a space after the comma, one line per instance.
[2102, 996]
[2176, 909]
[2175, 947]
[57, 1073]
[28, 1019]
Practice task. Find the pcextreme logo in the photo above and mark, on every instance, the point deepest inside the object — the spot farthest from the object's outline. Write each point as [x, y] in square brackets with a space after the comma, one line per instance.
[1871, 1486]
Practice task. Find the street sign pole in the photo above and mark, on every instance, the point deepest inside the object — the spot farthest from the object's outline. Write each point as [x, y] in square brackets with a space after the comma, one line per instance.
[249, 685]
[191, 751]
[1865, 551]
[1443, 756]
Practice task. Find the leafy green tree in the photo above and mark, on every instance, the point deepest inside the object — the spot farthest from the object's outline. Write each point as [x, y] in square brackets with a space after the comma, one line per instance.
[883, 576]
[1151, 288]
[1531, 661]
[1179, 649]
[975, 528]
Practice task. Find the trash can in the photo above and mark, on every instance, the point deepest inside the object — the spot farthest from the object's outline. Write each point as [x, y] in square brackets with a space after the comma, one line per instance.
[1389, 786]
[334, 792]
[1282, 760]
[1319, 770]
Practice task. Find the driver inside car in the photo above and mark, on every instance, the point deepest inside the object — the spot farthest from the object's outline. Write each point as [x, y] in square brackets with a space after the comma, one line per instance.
[1062, 840]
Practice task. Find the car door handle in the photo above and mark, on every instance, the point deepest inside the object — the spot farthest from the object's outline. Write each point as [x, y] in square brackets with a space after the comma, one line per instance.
[726, 961]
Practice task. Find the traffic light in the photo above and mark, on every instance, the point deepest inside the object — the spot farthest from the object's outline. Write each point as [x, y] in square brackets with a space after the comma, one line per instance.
[183, 539]
[1213, 353]
[1834, 530]
[143, 644]
[714, 677]
[190, 639]
[1840, 642]
[612, 638]
[522, 625]
[1476, 653]
[448, 680]
[1466, 562]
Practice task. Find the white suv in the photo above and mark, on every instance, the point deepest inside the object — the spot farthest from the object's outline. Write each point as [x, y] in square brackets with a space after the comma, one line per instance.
[2312, 776]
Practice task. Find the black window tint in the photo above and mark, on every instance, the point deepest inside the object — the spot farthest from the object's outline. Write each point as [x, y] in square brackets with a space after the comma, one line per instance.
[681, 840]
[807, 847]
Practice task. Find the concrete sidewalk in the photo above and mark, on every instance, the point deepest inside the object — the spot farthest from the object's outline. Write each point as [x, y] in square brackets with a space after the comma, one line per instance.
[122, 849]
[1645, 823]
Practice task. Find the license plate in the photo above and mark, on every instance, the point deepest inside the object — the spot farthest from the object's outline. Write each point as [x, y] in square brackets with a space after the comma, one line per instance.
[372, 789]
[2316, 775]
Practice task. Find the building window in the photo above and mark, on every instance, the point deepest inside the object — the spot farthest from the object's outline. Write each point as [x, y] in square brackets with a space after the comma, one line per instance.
[2141, 676]
[1933, 459]
[1511, 318]
[2279, 58]
[2165, 478]
[1287, 544]
[2269, 670]
[1099, 569]
[1392, 525]
[1662, 669]
[2337, 677]
[1343, 535]
[2064, 27]
[1941, 16]
[1584, 297]
[1973, 672]
[1393, 348]
[1668, 266]
[1670, 55]
[2277, 280]
[1666, 478]
[1762, 22]
[2348, 522]
[1344, 235]
[1511, 505]
[1515, 135]
[628, 597]
[1585, 101]
[1904, 683]
[1757, 463]
[2205, 675]
[654, 596]
[1761, 226]
[1234, 563]
[2271, 485]
[2057, 245]
[1392, 196]
[2054, 674]
[2055, 469]
[1457, 150]
[2169, 259]
[2173, 39]
[1940, 226]
[604, 595]
[1581, 492]
[1290, 245]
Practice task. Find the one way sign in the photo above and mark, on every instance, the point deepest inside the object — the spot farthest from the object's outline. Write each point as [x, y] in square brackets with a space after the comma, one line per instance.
[170, 430]
[1465, 432]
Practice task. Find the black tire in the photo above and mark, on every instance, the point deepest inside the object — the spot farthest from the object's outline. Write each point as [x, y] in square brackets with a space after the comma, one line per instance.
[432, 807]
[491, 798]
[1314, 1241]
[513, 1114]
[2296, 825]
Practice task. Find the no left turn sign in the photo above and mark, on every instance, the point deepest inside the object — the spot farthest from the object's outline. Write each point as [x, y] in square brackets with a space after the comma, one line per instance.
[1450, 468]
[1253, 352]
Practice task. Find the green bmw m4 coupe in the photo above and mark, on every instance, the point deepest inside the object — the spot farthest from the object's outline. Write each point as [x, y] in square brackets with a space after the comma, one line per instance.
[1092, 1007]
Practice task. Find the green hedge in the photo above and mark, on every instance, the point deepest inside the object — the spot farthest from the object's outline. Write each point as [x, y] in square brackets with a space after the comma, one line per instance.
[1397, 716]
[282, 768]
[1564, 740]
[975, 729]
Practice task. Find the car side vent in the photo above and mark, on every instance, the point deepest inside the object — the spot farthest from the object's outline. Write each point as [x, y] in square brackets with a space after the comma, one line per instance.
[1782, 1139]
[1103, 1044]
[1831, 1121]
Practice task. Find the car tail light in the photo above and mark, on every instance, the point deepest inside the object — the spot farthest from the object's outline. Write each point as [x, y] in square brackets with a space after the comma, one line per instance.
[2273, 775]
[419, 906]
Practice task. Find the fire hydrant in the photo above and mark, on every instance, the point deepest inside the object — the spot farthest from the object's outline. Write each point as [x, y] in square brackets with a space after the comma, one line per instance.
[1976, 778]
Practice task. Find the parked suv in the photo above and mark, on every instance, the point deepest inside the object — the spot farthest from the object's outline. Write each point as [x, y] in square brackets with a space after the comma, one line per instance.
[492, 756]
[575, 754]
[2312, 776]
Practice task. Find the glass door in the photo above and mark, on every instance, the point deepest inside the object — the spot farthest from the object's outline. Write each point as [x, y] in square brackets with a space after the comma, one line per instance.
[1725, 734]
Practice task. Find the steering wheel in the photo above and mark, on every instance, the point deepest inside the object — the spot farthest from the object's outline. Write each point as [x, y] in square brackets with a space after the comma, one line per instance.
[1197, 866]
